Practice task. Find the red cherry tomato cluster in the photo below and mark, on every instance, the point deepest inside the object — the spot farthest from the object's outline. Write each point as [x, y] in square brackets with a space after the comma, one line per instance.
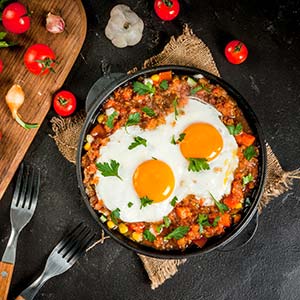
[167, 10]
[236, 52]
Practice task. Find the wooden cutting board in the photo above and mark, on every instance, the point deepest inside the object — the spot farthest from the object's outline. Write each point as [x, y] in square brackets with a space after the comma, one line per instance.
[38, 90]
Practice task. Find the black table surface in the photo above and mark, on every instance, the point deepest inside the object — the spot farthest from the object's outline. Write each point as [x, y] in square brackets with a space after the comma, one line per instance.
[269, 266]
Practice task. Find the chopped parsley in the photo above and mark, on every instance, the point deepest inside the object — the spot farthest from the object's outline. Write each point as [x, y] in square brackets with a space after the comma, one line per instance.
[173, 201]
[137, 142]
[133, 119]
[178, 233]
[221, 206]
[149, 236]
[110, 120]
[249, 152]
[107, 169]
[216, 221]
[198, 164]
[175, 104]
[149, 111]
[203, 221]
[247, 179]
[143, 89]
[181, 137]
[164, 85]
[235, 130]
[173, 140]
[167, 223]
[199, 88]
[145, 201]
[115, 215]
[129, 204]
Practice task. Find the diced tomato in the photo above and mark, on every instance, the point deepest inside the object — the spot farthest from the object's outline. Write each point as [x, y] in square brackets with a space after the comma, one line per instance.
[165, 76]
[231, 201]
[183, 212]
[245, 139]
[200, 242]
[225, 220]
[138, 227]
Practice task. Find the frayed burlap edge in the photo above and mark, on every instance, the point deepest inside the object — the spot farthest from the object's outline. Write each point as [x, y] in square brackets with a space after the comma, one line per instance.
[188, 50]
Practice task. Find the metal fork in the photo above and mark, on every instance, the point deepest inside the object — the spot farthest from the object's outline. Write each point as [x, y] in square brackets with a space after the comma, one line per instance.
[61, 259]
[21, 211]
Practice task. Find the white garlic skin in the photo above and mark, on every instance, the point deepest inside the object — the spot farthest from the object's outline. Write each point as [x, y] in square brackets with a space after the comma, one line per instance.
[54, 23]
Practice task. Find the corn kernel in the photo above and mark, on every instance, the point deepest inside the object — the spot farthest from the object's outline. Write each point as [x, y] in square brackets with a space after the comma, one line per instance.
[87, 146]
[110, 224]
[238, 206]
[155, 78]
[123, 228]
[100, 118]
[137, 236]
[89, 138]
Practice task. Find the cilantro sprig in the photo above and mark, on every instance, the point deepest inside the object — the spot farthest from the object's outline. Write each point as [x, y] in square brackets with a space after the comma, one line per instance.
[175, 106]
[145, 201]
[198, 164]
[137, 142]
[177, 233]
[133, 119]
[203, 221]
[235, 130]
[199, 88]
[249, 152]
[148, 235]
[143, 89]
[107, 169]
[222, 207]
[166, 224]
[149, 111]
[164, 85]
[173, 201]
[110, 120]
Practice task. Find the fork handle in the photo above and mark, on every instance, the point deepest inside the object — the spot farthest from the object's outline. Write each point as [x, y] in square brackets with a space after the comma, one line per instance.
[6, 271]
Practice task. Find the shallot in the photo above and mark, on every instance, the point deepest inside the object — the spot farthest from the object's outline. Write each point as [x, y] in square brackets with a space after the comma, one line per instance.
[54, 23]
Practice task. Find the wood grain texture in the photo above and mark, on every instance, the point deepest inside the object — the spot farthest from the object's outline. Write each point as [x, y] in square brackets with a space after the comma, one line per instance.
[38, 89]
[6, 271]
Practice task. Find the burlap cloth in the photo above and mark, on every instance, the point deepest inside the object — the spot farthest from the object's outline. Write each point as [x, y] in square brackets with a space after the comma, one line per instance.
[188, 50]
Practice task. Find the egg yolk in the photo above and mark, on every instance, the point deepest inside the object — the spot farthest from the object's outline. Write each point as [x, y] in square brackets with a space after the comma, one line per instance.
[154, 179]
[201, 140]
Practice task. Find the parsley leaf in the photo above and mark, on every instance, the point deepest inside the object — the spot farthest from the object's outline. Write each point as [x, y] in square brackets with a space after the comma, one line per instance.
[202, 221]
[133, 119]
[137, 142]
[198, 164]
[181, 137]
[178, 233]
[235, 130]
[149, 236]
[129, 204]
[110, 120]
[175, 104]
[221, 206]
[173, 201]
[250, 152]
[216, 221]
[164, 85]
[145, 201]
[149, 111]
[247, 179]
[115, 215]
[173, 140]
[109, 170]
[143, 89]
[167, 221]
[198, 88]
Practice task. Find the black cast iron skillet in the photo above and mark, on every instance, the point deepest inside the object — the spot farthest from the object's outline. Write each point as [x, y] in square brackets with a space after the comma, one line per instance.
[100, 92]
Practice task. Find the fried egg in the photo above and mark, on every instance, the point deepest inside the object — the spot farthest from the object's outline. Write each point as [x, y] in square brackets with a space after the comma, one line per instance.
[159, 170]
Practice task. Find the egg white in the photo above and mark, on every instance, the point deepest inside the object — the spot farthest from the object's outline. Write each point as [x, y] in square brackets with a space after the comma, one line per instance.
[116, 193]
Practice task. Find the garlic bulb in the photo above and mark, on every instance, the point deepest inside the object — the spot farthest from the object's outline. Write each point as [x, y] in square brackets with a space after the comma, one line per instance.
[54, 23]
[125, 27]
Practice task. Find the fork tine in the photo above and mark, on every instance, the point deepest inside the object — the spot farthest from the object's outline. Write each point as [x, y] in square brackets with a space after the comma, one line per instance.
[18, 186]
[29, 189]
[21, 201]
[36, 189]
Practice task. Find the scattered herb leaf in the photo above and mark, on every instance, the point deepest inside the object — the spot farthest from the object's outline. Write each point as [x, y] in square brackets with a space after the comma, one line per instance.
[173, 140]
[191, 82]
[115, 215]
[167, 221]
[154, 158]
[198, 164]
[164, 85]
[181, 137]
[250, 152]
[178, 233]
[173, 201]
[137, 142]
[235, 130]
[133, 119]
[247, 179]
[221, 206]
[110, 120]
[175, 104]
[145, 201]
[202, 221]
[199, 88]
[143, 89]
[129, 204]
[149, 111]
[149, 236]
[216, 221]
[109, 170]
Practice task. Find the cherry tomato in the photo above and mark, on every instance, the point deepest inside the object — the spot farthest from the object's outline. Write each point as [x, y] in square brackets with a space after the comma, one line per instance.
[1, 65]
[15, 18]
[64, 103]
[236, 52]
[39, 59]
[167, 10]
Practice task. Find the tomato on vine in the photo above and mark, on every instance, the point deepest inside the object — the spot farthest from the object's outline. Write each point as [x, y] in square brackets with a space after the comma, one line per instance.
[167, 10]
[15, 18]
[39, 59]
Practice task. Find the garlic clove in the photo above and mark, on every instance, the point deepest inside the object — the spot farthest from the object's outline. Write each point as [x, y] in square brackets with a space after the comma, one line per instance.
[54, 23]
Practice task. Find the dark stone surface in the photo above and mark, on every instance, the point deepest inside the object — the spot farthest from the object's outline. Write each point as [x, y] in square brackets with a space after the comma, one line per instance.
[268, 267]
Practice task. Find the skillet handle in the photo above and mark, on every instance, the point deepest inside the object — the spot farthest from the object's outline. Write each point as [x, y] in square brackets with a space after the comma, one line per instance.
[249, 233]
